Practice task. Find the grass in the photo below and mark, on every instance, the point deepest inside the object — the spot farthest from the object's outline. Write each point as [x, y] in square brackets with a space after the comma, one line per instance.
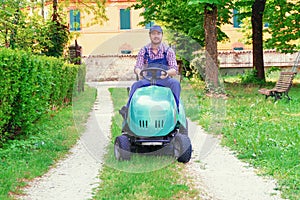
[49, 140]
[143, 177]
[157, 183]
[262, 132]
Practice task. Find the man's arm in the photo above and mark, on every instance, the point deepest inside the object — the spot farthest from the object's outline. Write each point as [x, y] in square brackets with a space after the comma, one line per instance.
[139, 61]
[172, 72]
[173, 68]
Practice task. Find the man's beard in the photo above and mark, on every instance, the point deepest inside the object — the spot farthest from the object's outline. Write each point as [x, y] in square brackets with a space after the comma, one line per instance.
[156, 41]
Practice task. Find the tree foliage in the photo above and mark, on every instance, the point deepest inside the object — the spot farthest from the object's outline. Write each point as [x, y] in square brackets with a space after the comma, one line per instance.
[197, 19]
[283, 18]
[10, 17]
[181, 16]
[95, 8]
[31, 32]
[37, 34]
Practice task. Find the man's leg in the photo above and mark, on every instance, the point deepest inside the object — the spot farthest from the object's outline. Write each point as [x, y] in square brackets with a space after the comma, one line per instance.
[174, 85]
[135, 86]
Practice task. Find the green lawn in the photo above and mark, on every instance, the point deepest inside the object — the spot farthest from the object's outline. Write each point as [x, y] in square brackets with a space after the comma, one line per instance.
[262, 132]
[143, 177]
[48, 141]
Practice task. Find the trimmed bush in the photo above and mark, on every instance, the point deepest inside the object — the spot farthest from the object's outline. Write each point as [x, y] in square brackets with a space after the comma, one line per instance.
[30, 86]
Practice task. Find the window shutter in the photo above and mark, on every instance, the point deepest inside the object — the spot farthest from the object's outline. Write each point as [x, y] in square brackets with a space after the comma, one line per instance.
[236, 22]
[74, 20]
[149, 25]
[124, 19]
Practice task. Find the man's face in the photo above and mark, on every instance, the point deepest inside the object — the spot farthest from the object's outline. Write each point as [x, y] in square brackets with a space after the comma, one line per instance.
[156, 37]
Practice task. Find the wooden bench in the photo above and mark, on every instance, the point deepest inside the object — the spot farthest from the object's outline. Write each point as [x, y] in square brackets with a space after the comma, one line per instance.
[282, 86]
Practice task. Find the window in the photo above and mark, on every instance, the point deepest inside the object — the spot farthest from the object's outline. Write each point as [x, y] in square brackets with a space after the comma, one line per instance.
[149, 25]
[74, 20]
[236, 22]
[124, 19]
[266, 25]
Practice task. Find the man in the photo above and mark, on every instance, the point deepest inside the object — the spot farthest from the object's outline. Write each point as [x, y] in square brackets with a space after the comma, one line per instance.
[156, 54]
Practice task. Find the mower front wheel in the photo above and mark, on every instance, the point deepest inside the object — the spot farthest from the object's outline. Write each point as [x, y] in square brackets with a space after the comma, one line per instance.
[184, 130]
[122, 148]
[182, 148]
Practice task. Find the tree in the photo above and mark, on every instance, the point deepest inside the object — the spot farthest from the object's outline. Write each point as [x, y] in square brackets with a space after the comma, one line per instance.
[258, 8]
[35, 33]
[10, 18]
[22, 31]
[198, 19]
[58, 29]
[281, 17]
[94, 7]
[211, 48]
[58, 33]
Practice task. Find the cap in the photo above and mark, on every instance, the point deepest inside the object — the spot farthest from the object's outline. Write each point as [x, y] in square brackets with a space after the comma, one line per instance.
[156, 28]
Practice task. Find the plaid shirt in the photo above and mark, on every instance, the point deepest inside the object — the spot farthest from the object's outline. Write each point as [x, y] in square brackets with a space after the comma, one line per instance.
[171, 57]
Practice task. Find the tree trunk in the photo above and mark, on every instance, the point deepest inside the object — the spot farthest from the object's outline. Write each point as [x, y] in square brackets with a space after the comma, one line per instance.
[55, 12]
[258, 8]
[210, 27]
[13, 35]
[43, 9]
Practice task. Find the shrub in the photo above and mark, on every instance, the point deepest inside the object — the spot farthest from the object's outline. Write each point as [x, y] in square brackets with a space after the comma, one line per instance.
[31, 86]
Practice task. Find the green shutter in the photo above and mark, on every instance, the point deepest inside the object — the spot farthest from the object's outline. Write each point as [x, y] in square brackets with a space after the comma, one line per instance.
[124, 19]
[266, 25]
[74, 20]
[148, 25]
[236, 22]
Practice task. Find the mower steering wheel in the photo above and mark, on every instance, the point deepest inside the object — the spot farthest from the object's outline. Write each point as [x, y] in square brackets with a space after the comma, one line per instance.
[153, 71]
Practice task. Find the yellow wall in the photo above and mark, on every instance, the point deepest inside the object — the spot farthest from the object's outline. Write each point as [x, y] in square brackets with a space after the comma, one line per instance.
[108, 38]
[235, 38]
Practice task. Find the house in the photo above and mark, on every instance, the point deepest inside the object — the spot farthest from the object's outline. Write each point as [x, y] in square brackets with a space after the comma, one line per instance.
[122, 34]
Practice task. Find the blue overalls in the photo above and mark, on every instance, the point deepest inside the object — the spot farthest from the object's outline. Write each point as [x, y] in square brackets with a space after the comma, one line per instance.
[171, 83]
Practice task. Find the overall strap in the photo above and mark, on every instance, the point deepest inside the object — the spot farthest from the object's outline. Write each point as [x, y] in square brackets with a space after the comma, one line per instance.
[146, 55]
[165, 52]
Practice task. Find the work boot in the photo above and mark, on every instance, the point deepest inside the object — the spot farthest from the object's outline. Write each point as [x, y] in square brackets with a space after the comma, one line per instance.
[124, 112]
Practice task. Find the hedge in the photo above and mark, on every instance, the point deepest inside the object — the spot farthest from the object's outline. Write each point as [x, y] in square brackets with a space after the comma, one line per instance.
[30, 86]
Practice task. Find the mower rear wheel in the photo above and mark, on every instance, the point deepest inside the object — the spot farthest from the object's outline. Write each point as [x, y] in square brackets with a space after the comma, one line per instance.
[122, 148]
[182, 148]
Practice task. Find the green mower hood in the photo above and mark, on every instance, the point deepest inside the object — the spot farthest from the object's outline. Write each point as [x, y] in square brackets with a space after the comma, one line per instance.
[153, 112]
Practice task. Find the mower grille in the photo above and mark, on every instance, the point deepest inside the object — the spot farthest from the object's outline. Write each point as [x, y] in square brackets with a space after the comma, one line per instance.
[143, 123]
[159, 124]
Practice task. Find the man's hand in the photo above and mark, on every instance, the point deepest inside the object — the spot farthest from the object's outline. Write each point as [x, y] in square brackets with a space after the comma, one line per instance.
[164, 75]
[137, 71]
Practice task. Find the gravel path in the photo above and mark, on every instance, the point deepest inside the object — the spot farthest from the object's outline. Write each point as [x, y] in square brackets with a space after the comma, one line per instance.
[75, 177]
[214, 170]
[220, 175]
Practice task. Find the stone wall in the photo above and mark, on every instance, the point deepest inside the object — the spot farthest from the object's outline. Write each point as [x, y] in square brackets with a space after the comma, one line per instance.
[110, 68]
[120, 67]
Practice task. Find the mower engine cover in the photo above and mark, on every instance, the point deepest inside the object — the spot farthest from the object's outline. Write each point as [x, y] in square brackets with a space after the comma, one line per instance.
[153, 112]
